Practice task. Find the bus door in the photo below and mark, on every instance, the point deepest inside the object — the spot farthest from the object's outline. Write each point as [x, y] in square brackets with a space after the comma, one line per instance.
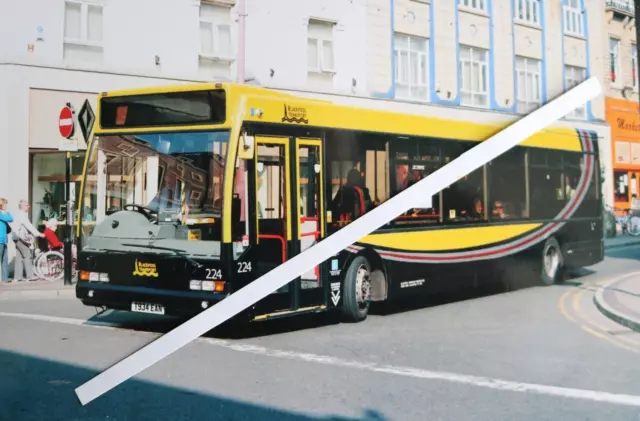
[273, 215]
[288, 220]
[310, 218]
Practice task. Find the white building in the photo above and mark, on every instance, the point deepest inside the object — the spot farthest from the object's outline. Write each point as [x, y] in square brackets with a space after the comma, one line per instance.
[483, 60]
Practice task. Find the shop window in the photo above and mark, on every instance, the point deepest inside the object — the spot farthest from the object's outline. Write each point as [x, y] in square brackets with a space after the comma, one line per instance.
[48, 187]
[507, 186]
[621, 180]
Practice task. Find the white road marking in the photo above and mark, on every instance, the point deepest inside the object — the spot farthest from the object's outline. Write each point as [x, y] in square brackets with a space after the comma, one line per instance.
[484, 382]
[469, 161]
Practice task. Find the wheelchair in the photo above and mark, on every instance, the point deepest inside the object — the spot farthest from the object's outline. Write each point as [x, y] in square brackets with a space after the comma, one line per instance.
[49, 264]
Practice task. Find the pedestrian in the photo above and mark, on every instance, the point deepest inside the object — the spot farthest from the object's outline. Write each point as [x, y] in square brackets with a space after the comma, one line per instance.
[23, 236]
[5, 230]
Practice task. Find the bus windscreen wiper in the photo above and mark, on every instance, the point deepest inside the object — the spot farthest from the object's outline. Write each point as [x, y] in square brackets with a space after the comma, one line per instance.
[179, 252]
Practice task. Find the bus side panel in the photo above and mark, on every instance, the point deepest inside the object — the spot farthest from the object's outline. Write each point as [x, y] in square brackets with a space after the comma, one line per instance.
[582, 242]
[411, 279]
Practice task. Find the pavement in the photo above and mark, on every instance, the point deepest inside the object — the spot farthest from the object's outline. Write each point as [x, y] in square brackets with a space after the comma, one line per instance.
[35, 289]
[621, 241]
[532, 353]
[619, 299]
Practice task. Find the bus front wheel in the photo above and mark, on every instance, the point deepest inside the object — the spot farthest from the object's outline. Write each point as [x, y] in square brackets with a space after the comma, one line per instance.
[552, 269]
[357, 291]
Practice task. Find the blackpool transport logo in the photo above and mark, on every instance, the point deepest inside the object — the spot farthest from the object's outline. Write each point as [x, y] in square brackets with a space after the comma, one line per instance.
[145, 269]
[295, 115]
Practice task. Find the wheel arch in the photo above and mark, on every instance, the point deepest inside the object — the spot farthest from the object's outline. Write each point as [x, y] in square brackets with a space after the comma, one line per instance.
[379, 274]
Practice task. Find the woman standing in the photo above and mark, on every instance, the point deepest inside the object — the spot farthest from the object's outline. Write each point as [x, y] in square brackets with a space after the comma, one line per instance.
[5, 229]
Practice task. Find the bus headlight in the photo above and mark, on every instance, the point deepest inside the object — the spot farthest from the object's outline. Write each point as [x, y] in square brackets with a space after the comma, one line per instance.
[197, 285]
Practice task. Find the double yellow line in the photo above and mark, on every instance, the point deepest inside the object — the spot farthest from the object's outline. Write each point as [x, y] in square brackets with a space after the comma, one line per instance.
[574, 296]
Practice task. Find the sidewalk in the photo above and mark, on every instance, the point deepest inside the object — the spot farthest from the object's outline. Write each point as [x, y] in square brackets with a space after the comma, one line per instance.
[621, 241]
[35, 289]
[619, 300]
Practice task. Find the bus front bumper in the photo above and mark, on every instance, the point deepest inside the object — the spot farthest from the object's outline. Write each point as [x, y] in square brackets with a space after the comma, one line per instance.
[146, 300]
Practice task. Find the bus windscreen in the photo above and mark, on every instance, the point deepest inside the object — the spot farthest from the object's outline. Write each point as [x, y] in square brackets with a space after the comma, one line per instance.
[164, 109]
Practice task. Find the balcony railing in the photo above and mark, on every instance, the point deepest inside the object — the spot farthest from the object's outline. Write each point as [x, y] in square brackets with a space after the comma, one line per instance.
[625, 7]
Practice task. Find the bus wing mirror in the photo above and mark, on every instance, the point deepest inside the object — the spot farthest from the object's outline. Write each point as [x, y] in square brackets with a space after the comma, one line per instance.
[247, 143]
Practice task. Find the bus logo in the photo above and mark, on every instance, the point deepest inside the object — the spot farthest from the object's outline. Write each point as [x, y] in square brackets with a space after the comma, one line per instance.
[145, 269]
[295, 115]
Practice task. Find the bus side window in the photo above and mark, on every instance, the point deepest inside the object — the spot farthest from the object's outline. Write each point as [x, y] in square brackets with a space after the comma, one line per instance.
[506, 186]
[545, 184]
[463, 200]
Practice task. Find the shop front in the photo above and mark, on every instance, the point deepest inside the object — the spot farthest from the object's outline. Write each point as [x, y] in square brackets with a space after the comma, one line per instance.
[46, 163]
[624, 118]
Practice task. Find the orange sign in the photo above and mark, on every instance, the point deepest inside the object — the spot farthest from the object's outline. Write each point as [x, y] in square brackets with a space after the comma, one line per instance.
[624, 118]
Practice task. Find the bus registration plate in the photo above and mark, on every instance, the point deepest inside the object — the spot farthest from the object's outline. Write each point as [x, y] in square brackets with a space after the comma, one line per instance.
[147, 308]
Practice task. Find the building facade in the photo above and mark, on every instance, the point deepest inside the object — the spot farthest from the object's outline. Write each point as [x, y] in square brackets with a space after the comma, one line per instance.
[621, 82]
[478, 60]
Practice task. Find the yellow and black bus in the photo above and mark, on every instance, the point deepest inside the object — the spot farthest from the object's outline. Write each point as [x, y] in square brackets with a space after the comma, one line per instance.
[191, 192]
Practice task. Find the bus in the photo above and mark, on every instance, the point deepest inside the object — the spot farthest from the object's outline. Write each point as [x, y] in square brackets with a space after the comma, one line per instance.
[191, 192]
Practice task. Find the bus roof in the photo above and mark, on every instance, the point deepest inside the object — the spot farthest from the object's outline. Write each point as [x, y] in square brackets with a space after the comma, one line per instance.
[278, 107]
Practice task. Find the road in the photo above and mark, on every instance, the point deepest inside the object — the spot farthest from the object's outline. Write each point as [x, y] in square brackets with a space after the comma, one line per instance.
[533, 353]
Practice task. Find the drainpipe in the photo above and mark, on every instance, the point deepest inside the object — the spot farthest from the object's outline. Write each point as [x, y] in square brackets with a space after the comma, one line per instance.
[242, 13]
[636, 15]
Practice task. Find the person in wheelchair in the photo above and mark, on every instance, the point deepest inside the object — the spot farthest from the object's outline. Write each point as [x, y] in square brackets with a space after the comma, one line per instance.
[52, 239]
[50, 235]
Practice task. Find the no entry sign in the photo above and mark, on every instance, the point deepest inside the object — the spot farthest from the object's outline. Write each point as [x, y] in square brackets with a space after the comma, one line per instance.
[65, 124]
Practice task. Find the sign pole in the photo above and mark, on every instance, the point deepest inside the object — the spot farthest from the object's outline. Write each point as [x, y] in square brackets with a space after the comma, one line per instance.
[66, 126]
[68, 241]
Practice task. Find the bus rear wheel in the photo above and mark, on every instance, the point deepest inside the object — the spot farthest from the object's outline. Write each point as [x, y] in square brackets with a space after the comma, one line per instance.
[552, 268]
[357, 291]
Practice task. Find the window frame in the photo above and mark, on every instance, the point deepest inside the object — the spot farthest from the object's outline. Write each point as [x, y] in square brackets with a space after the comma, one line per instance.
[481, 64]
[615, 69]
[320, 40]
[84, 23]
[570, 81]
[528, 74]
[576, 14]
[215, 30]
[524, 8]
[419, 56]
[634, 67]
[476, 5]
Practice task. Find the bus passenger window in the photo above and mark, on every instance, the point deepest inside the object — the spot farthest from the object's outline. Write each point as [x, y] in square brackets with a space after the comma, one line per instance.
[546, 184]
[572, 163]
[507, 186]
[352, 199]
[406, 176]
[464, 199]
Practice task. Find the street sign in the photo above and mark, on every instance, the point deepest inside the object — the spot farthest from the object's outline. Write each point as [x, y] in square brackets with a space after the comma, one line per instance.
[65, 123]
[86, 118]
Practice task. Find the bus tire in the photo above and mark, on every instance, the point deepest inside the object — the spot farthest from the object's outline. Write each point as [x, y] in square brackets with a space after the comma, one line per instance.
[552, 262]
[356, 295]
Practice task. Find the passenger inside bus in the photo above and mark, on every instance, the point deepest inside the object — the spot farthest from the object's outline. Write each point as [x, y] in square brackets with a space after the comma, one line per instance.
[461, 200]
[352, 199]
